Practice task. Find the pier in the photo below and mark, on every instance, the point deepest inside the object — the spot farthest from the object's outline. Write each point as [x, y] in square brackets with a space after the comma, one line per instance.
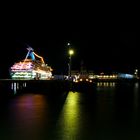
[9, 87]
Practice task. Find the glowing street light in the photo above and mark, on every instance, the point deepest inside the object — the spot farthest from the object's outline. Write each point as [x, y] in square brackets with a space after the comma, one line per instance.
[71, 52]
[136, 73]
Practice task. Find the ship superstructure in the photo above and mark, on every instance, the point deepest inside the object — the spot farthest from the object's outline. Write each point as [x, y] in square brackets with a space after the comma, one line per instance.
[32, 67]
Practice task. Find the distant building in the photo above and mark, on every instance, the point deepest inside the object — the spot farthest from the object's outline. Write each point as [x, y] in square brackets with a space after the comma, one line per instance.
[125, 76]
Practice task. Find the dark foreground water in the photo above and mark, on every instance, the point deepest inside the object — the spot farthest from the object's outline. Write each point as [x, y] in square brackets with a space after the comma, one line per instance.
[111, 112]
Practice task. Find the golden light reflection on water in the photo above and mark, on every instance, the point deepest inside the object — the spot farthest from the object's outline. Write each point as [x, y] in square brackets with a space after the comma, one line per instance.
[106, 84]
[69, 119]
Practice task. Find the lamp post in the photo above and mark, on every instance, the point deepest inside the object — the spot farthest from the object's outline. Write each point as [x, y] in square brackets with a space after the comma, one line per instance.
[71, 52]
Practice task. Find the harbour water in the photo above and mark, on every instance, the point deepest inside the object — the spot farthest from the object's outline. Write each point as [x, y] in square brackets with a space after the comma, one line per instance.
[111, 111]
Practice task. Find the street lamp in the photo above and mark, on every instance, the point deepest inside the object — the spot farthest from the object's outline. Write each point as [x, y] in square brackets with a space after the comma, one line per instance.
[71, 52]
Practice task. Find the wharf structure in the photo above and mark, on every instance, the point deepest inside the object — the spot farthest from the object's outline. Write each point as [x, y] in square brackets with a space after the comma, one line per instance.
[91, 76]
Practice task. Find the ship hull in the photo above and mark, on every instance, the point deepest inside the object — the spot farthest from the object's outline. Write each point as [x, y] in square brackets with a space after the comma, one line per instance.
[31, 75]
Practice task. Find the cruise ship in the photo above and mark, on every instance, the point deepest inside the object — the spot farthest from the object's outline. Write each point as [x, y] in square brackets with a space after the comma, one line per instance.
[32, 67]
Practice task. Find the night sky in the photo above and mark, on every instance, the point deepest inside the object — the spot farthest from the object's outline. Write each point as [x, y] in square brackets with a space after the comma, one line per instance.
[99, 46]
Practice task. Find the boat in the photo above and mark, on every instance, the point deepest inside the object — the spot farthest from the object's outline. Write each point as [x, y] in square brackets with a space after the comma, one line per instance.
[32, 67]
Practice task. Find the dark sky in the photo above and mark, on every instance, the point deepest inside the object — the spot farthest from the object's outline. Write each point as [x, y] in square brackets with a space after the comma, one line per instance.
[100, 46]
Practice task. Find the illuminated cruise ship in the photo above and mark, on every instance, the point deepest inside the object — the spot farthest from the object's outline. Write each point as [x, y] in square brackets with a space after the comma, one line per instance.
[32, 67]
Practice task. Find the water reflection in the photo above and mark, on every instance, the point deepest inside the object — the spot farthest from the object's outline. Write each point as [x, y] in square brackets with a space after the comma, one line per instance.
[124, 108]
[136, 113]
[15, 86]
[136, 96]
[109, 112]
[27, 116]
[105, 84]
[69, 119]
